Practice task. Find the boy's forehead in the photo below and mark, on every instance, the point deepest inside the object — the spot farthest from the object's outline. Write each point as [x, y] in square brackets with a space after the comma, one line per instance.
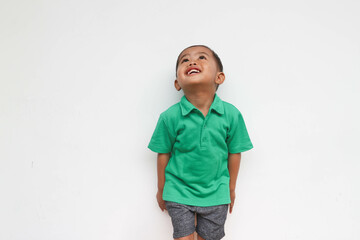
[194, 50]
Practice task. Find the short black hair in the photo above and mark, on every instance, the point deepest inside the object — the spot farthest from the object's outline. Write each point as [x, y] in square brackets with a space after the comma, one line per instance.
[217, 59]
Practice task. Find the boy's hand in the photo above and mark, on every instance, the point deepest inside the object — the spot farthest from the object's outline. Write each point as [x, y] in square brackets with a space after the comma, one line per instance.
[232, 197]
[160, 200]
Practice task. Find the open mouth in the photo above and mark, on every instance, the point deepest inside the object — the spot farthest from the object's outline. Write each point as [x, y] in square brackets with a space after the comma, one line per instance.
[192, 71]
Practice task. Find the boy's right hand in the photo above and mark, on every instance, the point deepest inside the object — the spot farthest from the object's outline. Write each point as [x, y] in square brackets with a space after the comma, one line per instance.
[160, 200]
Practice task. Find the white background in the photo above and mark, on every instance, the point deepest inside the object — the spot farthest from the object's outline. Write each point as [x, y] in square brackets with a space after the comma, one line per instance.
[82, 84]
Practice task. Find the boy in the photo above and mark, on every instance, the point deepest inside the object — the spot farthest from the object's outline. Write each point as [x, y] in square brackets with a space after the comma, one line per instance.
[199, 143]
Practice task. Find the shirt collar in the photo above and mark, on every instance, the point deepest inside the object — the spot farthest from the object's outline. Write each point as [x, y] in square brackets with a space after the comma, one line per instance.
[186, 106]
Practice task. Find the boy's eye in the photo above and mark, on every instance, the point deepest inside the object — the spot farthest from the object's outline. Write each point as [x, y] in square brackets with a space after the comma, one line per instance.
[202, 57]
[184, 60]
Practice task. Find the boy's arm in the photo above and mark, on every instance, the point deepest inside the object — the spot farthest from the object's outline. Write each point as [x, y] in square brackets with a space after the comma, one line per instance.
[162, 161]
[233, 165]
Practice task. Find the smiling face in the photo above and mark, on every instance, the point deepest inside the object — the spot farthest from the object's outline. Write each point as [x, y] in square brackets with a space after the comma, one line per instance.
[197, 68]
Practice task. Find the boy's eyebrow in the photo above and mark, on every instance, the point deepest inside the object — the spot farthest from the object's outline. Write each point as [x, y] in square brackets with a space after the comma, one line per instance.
[196, 53]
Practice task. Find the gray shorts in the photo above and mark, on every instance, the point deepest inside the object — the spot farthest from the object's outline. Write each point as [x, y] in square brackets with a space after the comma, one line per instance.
[210, 220]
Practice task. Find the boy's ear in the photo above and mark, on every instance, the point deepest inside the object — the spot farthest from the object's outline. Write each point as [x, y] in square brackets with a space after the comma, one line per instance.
[176, 84]
[220, 78]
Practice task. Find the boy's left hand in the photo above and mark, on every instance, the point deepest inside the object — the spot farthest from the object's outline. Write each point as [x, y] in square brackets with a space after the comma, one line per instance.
[232, 197]
[160, 201]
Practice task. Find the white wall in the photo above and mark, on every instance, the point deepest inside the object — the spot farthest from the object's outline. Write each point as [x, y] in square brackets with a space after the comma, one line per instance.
[82, 84]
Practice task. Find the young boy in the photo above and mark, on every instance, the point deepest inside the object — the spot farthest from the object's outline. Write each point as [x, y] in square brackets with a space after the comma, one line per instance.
[199, 142]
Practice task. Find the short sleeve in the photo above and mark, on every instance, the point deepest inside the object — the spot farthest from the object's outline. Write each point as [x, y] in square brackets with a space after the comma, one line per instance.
[162, 140]
[238, 139]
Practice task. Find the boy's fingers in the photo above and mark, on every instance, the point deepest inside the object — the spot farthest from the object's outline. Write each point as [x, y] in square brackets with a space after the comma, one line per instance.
[162, 205]
[231, 207]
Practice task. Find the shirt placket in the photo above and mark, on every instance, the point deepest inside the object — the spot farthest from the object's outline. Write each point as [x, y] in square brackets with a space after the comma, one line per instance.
[203, 133]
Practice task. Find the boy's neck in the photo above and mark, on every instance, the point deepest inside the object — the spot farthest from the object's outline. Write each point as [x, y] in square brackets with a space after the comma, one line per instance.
[201, 100]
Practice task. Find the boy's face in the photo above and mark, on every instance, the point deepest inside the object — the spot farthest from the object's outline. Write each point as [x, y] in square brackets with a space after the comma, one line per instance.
[198, 69]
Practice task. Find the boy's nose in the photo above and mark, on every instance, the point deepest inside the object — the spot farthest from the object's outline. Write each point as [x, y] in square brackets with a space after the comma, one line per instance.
[192, 63]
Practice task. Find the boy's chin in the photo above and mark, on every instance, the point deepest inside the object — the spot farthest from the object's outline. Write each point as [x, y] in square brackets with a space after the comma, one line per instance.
[196, 79]
[196, 76]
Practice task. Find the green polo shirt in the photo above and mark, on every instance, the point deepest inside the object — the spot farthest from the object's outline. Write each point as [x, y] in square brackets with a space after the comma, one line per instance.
[197, 172]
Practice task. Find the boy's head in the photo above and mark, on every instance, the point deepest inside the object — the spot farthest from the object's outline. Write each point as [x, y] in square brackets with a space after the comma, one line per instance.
[204, 60]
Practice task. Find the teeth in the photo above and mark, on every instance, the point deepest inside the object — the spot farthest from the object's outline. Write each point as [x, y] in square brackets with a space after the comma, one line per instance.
[193, 71]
